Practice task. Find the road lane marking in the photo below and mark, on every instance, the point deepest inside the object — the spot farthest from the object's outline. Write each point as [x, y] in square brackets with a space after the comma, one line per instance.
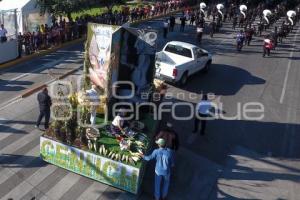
[19, 98]
[31, 182]
[288, 69]
[63, 186]
[7, 130]
[286, 78]
[44, 66]
[22, 161]
[10, 102]
[93, 192]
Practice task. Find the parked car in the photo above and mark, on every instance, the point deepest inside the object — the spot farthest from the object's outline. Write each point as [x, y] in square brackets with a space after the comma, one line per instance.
[179, 60]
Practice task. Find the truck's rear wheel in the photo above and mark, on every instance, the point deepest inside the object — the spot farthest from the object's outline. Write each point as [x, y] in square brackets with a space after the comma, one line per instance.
[183, 79]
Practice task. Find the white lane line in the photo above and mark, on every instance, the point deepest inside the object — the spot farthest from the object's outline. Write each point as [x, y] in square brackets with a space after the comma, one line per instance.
[44, 66]
[12, 168]
[288, 69]
[286, 78]
[21, 142]
[93, 192]
[6, 131]
[31, 182]
[63, 186]
[18, 98]
[10, 102]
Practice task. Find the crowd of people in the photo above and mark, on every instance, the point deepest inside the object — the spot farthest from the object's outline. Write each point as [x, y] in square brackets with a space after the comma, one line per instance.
[63, 30]
[49, 36]
[167, 139]
[251, 23]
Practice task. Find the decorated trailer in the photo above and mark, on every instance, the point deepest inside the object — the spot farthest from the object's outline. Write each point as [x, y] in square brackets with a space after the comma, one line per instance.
[119, 67]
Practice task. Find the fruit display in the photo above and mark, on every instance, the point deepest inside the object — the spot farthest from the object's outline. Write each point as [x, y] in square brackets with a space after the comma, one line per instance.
[125, 149]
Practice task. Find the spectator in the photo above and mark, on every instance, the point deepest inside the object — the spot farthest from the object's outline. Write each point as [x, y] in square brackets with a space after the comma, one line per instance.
[20, 44]
[3, 33]
[46, 36]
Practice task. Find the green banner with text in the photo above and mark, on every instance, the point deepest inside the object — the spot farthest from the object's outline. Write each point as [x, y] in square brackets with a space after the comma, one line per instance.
[90, 165]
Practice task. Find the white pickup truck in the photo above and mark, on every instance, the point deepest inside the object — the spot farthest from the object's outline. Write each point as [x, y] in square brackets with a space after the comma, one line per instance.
[178, 60]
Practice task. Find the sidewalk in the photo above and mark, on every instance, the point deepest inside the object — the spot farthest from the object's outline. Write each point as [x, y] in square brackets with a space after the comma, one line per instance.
[50, 50]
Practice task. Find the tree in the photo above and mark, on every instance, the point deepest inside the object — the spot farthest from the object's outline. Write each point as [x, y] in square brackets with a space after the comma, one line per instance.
[61, 7]
[109, 4]
[66, 7]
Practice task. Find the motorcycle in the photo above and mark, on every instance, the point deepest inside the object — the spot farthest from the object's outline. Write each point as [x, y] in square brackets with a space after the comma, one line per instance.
[239, 45]
[268, 46]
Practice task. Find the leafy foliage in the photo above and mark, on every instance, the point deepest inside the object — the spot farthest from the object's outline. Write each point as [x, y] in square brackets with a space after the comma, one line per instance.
[66, 7]
[61, 7]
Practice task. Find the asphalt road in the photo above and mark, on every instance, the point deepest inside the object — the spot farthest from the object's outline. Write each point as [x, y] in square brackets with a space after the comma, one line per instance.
[17, 79]
[237, 158]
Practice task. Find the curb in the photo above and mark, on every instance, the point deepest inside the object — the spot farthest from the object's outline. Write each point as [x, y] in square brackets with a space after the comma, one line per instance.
[40, 53]
[68, 73]
[47, 51]
[33, 90]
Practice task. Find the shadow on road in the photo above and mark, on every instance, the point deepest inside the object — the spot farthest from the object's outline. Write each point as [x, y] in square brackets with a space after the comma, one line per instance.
[9, 129]
[222, 80]
[19, 161]
[25, 122]
[7, 85]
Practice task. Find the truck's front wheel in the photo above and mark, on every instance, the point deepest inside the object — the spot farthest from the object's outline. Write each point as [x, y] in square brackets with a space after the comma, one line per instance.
[207, 66]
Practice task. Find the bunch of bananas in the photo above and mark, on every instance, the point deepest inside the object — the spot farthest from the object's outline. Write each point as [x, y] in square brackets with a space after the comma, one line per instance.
[73, 99]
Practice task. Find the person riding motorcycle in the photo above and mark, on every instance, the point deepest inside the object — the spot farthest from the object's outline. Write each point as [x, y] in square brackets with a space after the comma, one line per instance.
[240, 40]
[268, 45]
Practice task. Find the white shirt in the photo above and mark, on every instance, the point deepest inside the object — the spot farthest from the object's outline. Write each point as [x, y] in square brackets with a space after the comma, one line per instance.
[166, 24]
[199, 30]
[118, 121]
[204, 107]
[3, 32]
[267, 41]
[93, 96]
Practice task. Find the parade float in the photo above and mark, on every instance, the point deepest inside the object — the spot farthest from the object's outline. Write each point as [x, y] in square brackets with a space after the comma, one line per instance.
[120, 62]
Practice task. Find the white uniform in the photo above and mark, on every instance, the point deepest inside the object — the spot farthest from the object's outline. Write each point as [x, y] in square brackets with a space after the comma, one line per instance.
[118, 121]
[93, 95]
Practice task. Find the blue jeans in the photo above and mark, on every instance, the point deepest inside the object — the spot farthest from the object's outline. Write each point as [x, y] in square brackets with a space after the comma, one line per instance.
[161, 186]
